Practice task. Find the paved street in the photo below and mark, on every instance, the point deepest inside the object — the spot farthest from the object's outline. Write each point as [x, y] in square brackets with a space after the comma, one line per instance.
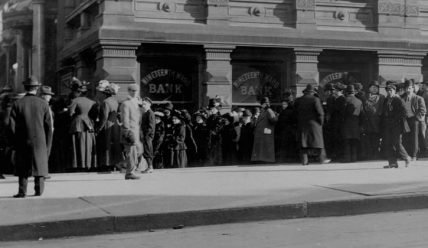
[386, 230]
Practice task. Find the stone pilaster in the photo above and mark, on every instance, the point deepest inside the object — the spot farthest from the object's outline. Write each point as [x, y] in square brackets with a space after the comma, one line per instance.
[218, 12]
[218, 76]
[38, 58]
[398, 66]
[117, 64]
[305, 14]
[305, 69]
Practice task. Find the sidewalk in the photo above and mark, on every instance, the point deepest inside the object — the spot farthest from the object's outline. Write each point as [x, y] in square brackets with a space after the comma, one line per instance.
[89, 203]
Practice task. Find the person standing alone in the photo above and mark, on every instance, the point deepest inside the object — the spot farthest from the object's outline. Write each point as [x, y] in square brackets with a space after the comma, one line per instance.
[31, 127]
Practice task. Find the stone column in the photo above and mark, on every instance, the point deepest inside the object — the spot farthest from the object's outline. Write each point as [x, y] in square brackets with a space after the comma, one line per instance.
[218, 76]
[305, 14]
[305, 69]
[218, 12]
[398, 66]
[38, 60]
[6, 48]
[20, 59]
[118, 64]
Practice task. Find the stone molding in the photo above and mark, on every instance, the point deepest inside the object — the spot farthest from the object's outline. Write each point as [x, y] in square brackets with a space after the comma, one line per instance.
[395, 59]
[305, 4]
[307, 55]
[398, 9]
[218, 52]
[115, 51]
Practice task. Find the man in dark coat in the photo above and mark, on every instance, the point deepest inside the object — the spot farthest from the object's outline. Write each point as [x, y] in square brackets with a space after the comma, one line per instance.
[394, 124]
[352, 113]
[423, 134]
[148, 125]
[246, 139]
[310, 118]
[336, 121]
[372, 112]
[264, 133]
[415, 112]
[31, 126]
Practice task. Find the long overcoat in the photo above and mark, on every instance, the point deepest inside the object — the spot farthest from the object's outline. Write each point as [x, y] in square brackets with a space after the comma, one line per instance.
[31, 126]
[373, 109]
[310, 118]
[108, 139]
[264, 137]
[352, 118]
[83, 132]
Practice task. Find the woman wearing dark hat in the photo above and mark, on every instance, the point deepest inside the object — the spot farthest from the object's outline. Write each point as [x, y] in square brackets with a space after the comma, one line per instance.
[264, 133]
[214, 124]
[158, 140]
[108, 132]
[285, 131]
[246, 138]
[228, 135]
[201, 136]
[177, 157]
[83, 112]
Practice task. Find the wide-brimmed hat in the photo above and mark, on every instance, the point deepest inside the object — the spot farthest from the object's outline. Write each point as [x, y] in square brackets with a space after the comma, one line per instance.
[31, 81]
[102, 85]
[46, 90]
[159, 114]
[169, 106]
[112, 89]
[309, 89]
[264, 100]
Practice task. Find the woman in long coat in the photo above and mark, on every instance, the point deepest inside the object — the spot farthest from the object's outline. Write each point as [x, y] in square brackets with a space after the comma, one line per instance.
[264, 133]
[177, 157]
[108, 139]
[82, 131]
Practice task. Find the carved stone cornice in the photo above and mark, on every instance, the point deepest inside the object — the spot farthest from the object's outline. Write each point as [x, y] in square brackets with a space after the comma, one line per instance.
[218, 52]
[305, 4]
[306, 55]
[409, 59]
[114, 51]
[387, 7]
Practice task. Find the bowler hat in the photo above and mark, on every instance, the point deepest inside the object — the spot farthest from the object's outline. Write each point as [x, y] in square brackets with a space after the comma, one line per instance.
[147, 99]
[374, 83]
[46, 90]
[309, 89]
[169, 106]
[31, 81]
[160, 114]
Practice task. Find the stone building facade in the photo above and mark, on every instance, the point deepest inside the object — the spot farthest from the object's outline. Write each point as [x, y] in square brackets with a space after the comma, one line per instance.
[187, 51]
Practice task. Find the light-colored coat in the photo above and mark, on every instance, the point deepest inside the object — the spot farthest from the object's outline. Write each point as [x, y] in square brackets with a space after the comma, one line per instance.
[130, 114]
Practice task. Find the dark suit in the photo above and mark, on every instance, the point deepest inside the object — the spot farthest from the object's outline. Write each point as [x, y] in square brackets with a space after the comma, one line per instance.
[310, 118]
[394, 124]
[148, 126]
[415, 115]
[31, 126]
[352, 113]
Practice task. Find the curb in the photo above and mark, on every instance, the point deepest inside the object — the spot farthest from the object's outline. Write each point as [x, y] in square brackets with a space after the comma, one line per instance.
[177, 220]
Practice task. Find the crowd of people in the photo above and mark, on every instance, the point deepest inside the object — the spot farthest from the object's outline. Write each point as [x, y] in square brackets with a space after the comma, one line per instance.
[339, 122]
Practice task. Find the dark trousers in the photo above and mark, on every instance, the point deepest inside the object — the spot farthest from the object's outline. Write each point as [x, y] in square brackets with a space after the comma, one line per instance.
[39, 185]
[393, 144]
[411, 139]
[304, 154]
[351, 150]
[423, 144]
[148, 150]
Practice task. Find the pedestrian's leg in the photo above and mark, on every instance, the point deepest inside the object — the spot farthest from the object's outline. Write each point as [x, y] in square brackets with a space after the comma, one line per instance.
[399, 148]
[354, 149]
[148, 153]
[347, 151]
[414, 139]
[22, 191]
[39, 185]
[131, 155]
[304, 156]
